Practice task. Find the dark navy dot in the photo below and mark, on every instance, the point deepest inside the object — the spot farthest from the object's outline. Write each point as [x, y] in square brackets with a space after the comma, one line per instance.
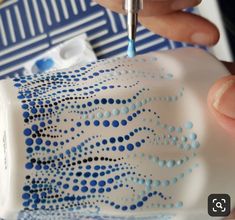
[129, 118]
[96, 123]
[124, 122]
[96, 101]
[112, 140]
[103, 101]
[84, 189]
[26, 196]
[106, 123]
[87, 123]
[121, 148]
[133, 207]
[130, 147]
[93, 183]
[102, 183]
[120, 139]
[115, 123]
[79, 124]
[111, 101]
[75, 188]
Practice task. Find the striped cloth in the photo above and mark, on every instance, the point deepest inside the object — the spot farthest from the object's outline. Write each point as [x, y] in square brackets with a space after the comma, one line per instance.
[29, 27]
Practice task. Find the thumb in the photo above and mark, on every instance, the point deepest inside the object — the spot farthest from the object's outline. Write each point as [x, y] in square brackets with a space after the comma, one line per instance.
[221, 101]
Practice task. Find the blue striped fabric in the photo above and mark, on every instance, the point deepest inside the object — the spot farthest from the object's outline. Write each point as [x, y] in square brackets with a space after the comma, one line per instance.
[29, 27]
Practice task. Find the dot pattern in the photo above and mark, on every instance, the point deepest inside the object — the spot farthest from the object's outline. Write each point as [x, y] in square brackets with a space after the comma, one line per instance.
[81, 128]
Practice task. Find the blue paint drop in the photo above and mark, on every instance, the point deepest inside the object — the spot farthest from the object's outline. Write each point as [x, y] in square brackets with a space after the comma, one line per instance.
[131, 51]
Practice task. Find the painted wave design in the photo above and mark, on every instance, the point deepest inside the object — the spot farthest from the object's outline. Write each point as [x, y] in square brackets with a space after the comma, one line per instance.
[74, 161]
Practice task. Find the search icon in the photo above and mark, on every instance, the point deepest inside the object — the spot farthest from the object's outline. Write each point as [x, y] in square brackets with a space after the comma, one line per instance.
[219, 205]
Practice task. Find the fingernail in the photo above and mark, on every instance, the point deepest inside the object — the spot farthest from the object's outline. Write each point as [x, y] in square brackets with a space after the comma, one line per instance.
[181, 4]
[224, 99]
[201, 39]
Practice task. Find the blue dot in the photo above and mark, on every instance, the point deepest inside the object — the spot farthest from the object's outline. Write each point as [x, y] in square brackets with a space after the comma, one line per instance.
[130, 147]
[29, 150]
[66, 186]
[121, 148]
[96, 101]
[188, 125]
[35, 128]
[75, 188]
[103, 101]
[124, 208]
[26, 196]
[129, 118]
[101, 190]
[38, 140]
[79, 124]
[29, 141]
[133, 207]
[112, 140]
[110, 180]
[87, 123]
[102, 183]
[140, 204]
[93, 183]
[106, 123]
[96, 123]
[124, 122]
[115, 123]
[29, 166]
[25, 114]
[27, 132]
[84, 189]
[111, 101]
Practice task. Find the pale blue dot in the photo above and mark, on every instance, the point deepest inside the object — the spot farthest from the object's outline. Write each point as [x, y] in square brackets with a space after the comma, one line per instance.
[133, 107]
[193, 136]
[138, 104]
[161, 163]
[107, 114]
[156, 183]
[144, 101]
[180, 145]
[178, 204]
[175, 139]
[195, 144]
[141, 181]
[165, 182]
[184, 139]
[148, 182]
[187, 146]
[188, 125]
[171, 128]
[170, 163]
[124, 110]
[174, 180]
[115, 111]
[100, 115]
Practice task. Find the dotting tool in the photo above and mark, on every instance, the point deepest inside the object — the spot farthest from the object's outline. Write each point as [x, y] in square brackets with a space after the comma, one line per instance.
[132, 8]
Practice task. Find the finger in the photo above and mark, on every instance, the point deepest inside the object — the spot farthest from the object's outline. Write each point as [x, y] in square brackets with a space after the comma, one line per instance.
[151, 7]
[221, 101]
[182, 26]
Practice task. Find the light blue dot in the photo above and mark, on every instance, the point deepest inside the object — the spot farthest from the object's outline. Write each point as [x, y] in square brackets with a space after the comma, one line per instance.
[124, 110]
[156, 183]
[115, 112]
[133, 107]
[170, 163]
[107, 114]
[184, 139]
[178, 204]
[165, 182]
[179, 130]
[188, 125]
[195, 144]
[193, 136]
[100, 115]
[161, 163]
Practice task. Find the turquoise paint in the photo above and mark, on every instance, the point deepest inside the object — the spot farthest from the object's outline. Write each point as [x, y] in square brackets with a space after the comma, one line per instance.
[131, 51]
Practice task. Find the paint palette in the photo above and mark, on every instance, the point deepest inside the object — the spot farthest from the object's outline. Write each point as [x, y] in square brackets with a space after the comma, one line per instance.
[117, 137]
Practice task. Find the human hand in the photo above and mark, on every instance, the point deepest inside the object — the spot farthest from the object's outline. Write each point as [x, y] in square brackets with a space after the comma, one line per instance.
[166, 18]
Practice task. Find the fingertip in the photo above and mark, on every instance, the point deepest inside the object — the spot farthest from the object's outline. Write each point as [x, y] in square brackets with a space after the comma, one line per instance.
[225, 121]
